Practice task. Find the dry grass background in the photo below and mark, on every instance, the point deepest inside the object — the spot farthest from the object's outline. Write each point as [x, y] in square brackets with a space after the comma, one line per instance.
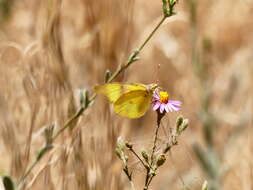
[48, 49]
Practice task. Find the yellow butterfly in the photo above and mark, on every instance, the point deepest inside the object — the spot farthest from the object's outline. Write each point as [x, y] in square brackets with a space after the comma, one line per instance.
[129, 100]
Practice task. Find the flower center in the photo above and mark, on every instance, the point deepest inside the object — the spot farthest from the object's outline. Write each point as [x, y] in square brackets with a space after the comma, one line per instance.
[164, 97]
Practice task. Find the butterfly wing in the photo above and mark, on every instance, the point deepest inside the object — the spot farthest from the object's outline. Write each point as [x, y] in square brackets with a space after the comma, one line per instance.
[133, 104]
[114, 90]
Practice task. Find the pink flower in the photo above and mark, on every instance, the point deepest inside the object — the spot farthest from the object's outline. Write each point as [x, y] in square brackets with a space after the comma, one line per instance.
[161, 101]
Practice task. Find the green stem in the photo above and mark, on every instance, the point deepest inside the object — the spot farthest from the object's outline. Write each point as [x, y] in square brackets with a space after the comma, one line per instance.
[152, 33]
[159, 118]
[27, 172]
[67, 124]
[148, 176]
[138, 157]
[133, 56]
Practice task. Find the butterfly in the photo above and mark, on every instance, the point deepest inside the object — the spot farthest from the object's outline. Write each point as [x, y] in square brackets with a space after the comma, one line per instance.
[129, 100]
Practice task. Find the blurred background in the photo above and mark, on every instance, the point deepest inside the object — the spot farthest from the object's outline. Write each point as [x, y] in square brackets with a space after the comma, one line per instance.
[202, 57]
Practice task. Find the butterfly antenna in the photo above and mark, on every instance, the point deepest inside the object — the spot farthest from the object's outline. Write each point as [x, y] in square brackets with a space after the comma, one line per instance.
[157, 73]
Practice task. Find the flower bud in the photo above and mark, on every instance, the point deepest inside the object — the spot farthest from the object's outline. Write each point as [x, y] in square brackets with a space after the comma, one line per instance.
[161, 159]
[126, 158]
[120, 144]
[183, 125]
[129, 145]
[84, 98]
[118, 153]
[179, 120]
[108, 75]
[204, 186]
[144, 155]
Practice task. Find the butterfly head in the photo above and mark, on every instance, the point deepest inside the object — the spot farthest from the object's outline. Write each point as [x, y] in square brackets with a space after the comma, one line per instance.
[152, 87]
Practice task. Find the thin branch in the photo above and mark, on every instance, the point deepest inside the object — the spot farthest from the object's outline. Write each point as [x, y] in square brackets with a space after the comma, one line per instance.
[67, 124]
[159, 117]
[137, 156]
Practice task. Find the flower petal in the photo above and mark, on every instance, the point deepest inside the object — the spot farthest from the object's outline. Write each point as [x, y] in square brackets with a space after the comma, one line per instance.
[156, 105]
[174, 107]
[175, 102]
[156, 96]
[167, 108]
[162, 107]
